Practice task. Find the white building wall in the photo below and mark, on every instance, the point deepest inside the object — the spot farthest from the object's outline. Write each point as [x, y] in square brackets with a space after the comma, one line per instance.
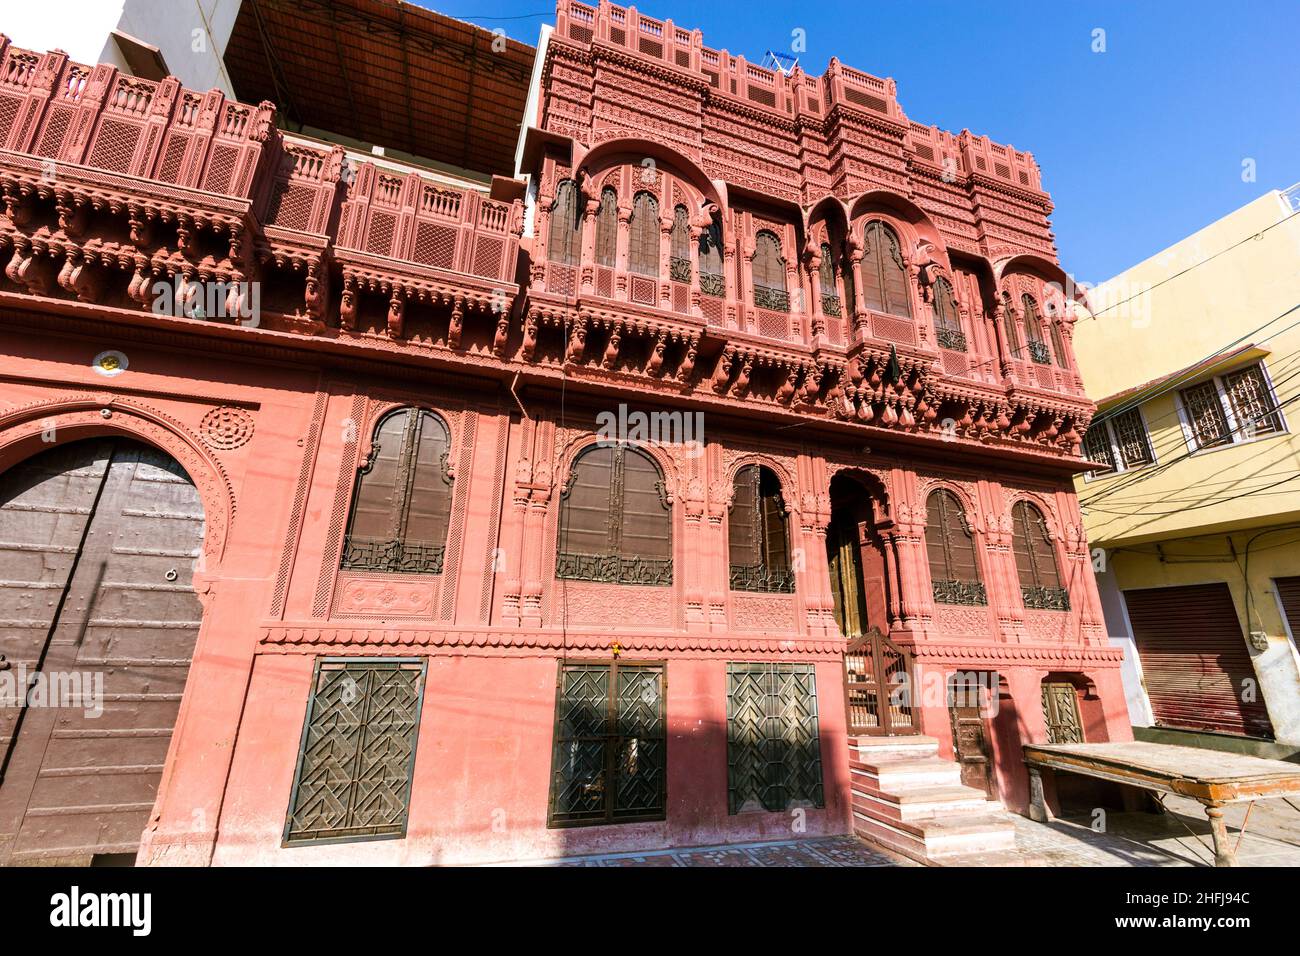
[191, 34]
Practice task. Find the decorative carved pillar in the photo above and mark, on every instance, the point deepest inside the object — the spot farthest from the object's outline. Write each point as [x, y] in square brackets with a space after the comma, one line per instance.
[694, 573]
[735, 306]
[1004, 578]
[623, 244]
[665, 263]
[696, 233]
[861, 327]
[538, 502]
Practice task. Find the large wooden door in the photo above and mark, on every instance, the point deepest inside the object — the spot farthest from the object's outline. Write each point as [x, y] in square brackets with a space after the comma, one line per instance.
[98, 540]
[1195, 664]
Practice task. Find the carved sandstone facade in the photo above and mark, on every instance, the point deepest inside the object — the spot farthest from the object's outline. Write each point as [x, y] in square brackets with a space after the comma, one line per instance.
[866, 308]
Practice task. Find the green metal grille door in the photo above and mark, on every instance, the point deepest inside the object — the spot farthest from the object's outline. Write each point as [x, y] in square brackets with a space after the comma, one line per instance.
[610, 761]
[773, 747]
[353, 779]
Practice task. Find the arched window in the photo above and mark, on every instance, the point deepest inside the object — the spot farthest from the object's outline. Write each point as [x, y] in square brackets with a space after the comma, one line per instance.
[615, 522]
[826, 280]
[1058, 343]
[758, 539]
[1009, 328]
[643, 239]
[402, 503]
[769, 273]
[954, 566]
[566, 225]
[607, 229]
[947, 321]
[679, 246]
[1031, 542]
[884, 276]
[711, 281]
[1034, 330]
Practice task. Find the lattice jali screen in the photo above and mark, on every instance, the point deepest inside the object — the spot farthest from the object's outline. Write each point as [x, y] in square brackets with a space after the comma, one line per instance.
[357, 755]
[292, 207]
[8, 110]
[221, 169]
[435, 245]
[773, 747]
[114, 146]
[610, 759]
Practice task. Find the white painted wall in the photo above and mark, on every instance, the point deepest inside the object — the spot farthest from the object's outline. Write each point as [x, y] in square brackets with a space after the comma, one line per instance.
[191, 34]
[1115, 614]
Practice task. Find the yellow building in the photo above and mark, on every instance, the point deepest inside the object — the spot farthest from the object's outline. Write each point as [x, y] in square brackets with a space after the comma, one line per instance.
[1193, 358]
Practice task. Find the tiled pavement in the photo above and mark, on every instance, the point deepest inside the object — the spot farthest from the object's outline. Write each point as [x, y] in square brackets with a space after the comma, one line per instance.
[1129, 839]
[822, 851]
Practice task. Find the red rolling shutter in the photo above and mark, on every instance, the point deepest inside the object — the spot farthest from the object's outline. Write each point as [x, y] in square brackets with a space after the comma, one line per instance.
[1194, 659]
[1288, 592]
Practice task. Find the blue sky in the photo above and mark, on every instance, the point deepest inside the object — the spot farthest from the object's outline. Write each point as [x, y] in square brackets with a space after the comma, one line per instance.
[1140, 145]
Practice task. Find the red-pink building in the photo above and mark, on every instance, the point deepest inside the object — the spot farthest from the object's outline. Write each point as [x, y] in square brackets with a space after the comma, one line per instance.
[670, 492]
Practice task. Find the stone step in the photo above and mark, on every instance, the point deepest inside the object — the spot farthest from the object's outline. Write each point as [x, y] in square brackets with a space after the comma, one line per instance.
[935, 839]
[891, 773]
[867, 748]
[919, 803]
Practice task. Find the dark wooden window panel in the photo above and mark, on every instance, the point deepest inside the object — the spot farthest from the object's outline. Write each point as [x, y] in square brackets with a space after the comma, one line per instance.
[357, 754]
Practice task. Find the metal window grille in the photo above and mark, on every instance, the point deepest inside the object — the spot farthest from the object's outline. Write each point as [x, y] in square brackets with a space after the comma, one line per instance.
[773, 746]
[357, 754]
[610, 759]
[1096, 447]
[1252, 403]
[1205, 414]
[1132, 440]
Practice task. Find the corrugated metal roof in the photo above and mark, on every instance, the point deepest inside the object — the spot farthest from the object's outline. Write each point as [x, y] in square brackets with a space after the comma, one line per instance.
[388, 73]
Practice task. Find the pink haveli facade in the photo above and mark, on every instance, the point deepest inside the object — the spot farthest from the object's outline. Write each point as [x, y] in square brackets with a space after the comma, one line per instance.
[427, 615]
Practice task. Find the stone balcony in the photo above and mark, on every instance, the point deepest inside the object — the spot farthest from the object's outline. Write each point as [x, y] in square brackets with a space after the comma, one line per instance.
[116, 187]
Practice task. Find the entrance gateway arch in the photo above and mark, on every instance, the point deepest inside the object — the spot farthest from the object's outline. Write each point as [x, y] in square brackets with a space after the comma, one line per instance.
[98, 539]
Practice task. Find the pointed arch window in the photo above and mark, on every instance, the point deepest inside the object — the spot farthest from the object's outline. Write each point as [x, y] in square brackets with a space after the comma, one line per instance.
[768, 271]
[947, 320]
[826, 281]
[615, 521]
[710, 252]
[884, 275]
[1034, 331]
[1058, 343]
[401, 506]
[607, 229]
[565, 238]
[643, 238]
[1031, 542]
[679, 246]
[950, 543]
[1009, 328]
[758, 533]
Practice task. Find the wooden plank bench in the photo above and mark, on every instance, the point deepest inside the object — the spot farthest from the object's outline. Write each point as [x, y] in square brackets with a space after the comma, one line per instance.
[1211, 777]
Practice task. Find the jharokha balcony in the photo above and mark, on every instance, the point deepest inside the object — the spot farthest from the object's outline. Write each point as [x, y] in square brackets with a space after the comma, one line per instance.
[129, 200]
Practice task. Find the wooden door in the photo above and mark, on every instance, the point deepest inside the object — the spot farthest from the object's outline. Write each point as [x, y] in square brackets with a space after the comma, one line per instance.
[97, 547]
[970, 739]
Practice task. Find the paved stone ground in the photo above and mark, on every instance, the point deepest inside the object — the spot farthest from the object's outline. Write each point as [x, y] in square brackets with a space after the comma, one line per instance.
[821, 851]
[1130, 839]
[1180, 837]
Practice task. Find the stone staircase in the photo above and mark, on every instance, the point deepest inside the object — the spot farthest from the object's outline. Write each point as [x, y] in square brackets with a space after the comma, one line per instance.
[908, 799]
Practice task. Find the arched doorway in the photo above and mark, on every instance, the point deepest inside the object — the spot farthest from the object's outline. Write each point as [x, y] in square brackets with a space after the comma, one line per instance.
[98, 621]
[878, 676]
